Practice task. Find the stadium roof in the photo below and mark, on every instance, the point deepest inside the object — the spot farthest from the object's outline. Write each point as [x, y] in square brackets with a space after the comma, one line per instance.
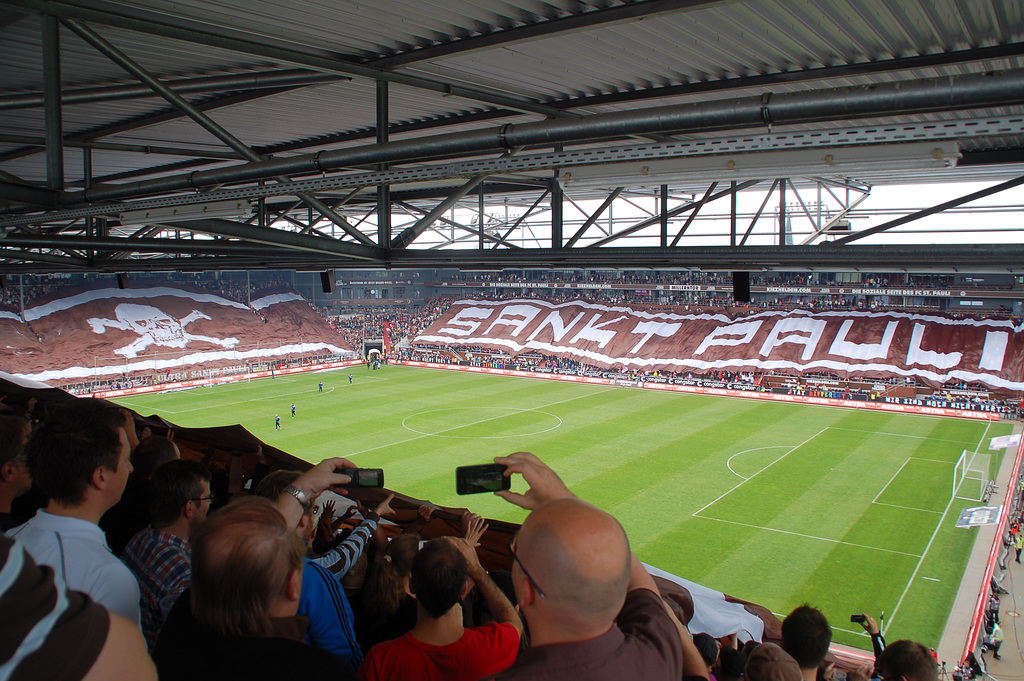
[194, 134]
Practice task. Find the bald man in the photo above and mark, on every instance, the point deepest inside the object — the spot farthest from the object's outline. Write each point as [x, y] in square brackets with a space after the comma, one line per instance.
[592, 609]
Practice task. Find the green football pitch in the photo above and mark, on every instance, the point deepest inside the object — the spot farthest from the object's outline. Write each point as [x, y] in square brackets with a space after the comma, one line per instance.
[780, 504]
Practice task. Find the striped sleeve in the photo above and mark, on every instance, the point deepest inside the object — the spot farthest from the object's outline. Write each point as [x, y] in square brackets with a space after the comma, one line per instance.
[40, 621]
[342, 557]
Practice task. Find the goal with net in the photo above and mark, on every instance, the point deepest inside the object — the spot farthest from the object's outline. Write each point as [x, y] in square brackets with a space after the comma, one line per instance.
[970, 476]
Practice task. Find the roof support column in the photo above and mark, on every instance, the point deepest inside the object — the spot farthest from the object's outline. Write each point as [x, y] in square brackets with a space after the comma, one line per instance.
[483, 215]
[557, 212]
[52, 104]
[663, 215]
[782, 212]
[383, 190]
[87, 178]
[732, 213]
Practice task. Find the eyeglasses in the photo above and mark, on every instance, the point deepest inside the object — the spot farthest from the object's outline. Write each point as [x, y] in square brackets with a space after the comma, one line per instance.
[209, 498]
[512, 552]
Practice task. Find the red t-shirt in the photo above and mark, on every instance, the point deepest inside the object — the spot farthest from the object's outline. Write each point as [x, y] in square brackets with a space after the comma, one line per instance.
[481, 651]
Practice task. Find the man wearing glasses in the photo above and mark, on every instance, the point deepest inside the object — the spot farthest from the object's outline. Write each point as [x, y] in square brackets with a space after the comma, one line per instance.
[592, 609]
[160, 556]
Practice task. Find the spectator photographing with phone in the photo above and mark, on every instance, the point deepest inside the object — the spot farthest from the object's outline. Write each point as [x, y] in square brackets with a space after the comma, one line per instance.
[592, 609]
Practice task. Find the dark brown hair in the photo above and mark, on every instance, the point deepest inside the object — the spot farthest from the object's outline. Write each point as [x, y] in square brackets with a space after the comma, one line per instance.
[68, 447]
[175, 483]
[382, 592]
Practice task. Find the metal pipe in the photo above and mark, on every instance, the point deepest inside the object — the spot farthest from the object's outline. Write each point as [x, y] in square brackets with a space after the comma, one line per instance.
[236, 81]
[52, 112]
[920, 96]
[39, 196]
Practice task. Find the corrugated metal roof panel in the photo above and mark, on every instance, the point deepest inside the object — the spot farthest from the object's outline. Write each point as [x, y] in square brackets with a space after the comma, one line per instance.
[728, 40]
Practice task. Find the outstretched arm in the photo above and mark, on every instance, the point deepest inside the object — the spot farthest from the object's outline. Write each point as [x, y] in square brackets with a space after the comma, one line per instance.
[325, 475]
[545, 485]
[501, 608]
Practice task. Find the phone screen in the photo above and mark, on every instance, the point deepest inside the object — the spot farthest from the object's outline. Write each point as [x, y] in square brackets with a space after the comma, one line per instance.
[366, 477]
[489, 477]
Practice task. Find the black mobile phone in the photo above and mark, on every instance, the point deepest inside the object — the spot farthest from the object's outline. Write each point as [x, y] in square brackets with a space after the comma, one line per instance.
[488, 477]
[364, 477]
[858, 618]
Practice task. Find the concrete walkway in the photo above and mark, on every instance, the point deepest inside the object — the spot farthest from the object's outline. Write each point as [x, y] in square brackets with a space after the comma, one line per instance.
[1011, 666]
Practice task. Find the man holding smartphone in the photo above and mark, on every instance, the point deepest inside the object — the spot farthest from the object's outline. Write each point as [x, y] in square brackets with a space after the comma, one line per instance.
[593, 610]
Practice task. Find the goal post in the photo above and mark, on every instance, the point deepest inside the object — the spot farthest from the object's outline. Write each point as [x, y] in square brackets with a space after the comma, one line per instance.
[970, 476]
[958, 473]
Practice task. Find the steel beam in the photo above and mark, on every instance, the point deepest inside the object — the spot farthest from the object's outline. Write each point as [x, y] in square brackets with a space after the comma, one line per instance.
[696, 209]
[498, 241]
[52, 111]
[925, 95]
[272, 78]
[663, 215]
[1005, 258]
[557, 214]
[782, 211]
[999, 258]
[594, 217]
[280, 238]
[409, 234]
[204, 33]
[757, 215]
[522, 217]
[207, 123]
[149, 119]
[131, 148]
[732, 213]
[678, 210]
[383, 120]
[821, 229]
[974, 196]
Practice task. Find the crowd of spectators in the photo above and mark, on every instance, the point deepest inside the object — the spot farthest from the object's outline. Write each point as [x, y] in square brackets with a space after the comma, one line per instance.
[270, 582]
[28, 288]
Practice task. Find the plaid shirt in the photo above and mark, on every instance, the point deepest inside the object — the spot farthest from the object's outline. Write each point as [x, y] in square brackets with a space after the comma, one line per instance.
[162, 563]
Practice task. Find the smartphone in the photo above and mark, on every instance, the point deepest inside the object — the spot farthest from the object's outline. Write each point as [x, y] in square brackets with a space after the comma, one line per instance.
[858, 618]
[488, 477]
[364, 477]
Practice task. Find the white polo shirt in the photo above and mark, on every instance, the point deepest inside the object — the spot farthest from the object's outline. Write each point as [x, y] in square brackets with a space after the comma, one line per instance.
[77, 551]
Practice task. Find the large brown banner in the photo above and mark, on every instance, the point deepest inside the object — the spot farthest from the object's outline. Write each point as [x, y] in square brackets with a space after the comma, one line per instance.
[108, 332]
[930, 348]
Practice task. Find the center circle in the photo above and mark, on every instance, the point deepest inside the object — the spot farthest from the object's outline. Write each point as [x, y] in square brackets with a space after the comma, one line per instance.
[481, 423]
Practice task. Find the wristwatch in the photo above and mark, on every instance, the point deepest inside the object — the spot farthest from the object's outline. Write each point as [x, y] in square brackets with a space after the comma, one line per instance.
[300, 496]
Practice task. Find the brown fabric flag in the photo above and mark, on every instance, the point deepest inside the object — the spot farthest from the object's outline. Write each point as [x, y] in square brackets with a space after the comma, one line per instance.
[932, 349]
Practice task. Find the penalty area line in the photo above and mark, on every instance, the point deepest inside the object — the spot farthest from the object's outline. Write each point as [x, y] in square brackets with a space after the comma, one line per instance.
[807, 536]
